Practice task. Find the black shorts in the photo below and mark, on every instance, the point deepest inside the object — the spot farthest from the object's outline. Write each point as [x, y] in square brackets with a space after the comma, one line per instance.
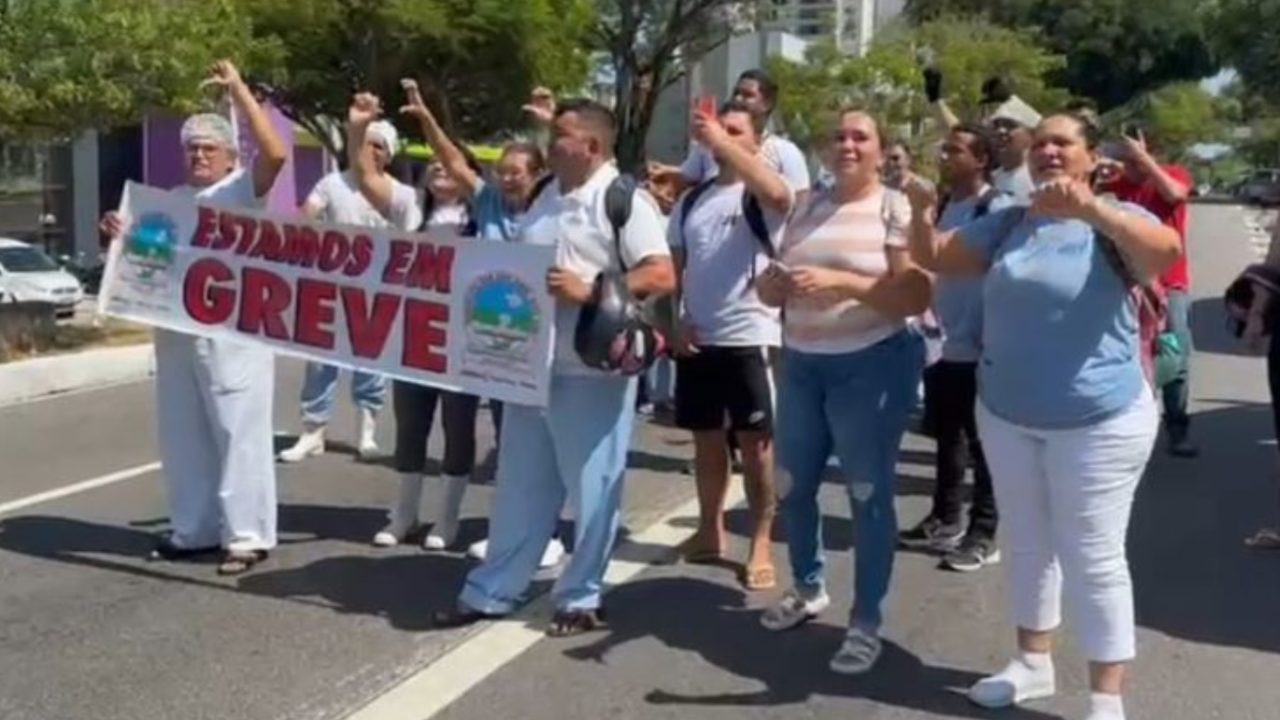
[725, 387]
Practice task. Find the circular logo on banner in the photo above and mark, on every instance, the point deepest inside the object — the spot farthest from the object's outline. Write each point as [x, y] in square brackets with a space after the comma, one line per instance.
[502, 317]
[150, 243]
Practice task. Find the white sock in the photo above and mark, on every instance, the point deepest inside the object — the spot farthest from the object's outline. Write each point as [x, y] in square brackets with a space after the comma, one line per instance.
[1036, 662]
[1104, 706]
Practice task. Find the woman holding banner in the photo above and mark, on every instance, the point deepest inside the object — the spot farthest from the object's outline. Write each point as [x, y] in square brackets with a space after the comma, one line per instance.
[214, 397]
[492, 212]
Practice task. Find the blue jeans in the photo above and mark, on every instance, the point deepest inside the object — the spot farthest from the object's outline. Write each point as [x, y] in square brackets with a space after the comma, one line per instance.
[576, 448]
[858, 405]
[660, 381]
[368, 391]
[1177, 390]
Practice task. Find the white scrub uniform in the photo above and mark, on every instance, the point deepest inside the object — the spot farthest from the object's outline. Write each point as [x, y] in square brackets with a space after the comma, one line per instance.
[214, 411]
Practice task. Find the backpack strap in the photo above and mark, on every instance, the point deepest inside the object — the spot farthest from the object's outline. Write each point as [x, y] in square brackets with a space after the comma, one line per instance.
[753, 213]
[617, 208]
[538, 186]
[984, 203]
[686, 206]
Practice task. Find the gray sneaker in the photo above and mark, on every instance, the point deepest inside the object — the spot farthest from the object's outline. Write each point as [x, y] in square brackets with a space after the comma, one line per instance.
[932, 534]
[974, 553]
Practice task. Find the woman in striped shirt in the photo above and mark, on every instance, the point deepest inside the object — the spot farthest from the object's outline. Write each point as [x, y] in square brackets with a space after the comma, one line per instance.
[849, 374]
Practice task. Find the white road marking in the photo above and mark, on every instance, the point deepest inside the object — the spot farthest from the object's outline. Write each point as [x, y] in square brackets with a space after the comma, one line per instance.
[68, 490]
[429, 691]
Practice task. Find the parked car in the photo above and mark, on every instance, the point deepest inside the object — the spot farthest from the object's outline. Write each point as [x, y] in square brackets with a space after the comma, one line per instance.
[27, 274]
[1262, 187]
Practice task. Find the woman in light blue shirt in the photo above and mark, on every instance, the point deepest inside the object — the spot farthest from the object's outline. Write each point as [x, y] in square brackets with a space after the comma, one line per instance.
[1065, 413]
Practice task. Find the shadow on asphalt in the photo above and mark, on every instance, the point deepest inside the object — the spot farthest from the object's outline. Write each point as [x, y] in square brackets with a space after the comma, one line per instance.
[1194, 579]
[709, 619]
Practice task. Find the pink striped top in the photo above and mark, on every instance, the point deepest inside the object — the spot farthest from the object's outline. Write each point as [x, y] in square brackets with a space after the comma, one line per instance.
[855, 236]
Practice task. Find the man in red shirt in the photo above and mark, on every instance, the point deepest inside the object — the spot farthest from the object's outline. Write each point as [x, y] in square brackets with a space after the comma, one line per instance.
[1164, 191]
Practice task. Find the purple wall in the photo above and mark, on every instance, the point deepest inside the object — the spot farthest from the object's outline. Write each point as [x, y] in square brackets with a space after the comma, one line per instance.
[308, 168]
[162, 156]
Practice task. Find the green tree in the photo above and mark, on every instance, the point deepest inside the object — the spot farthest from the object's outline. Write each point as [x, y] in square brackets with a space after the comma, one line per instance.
[71, 65]
[1115, 49]
[1178, 115]
[476, 60]
[1246, 35]
[651, 46]
[888, 79]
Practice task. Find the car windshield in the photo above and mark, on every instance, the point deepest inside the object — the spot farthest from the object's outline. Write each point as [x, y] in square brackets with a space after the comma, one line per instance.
[25, 260]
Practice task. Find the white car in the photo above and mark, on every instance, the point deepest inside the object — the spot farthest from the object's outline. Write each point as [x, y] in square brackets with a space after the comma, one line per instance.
[27, 274]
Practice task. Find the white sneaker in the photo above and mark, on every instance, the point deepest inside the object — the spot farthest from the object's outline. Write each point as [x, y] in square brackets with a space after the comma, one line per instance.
[793, 610]
[367, 443]
[551, 555]
[310, 444]
[1028, 677]
[404, 514]
[447, 505]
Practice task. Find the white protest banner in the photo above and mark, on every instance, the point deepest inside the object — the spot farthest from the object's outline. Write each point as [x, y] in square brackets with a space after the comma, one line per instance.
[436, 308]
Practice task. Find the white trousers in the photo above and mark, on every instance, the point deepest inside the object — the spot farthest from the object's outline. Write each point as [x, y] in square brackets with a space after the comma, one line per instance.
[1064, 498]
[214, 405]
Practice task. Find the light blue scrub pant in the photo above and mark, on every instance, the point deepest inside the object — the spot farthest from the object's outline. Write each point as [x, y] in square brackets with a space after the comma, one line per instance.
[320, 388]
[574, 449]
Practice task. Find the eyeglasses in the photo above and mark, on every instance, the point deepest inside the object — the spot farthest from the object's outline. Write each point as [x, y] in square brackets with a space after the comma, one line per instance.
[203, 148]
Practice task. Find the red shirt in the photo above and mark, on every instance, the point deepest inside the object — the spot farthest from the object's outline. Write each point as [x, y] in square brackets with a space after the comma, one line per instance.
[1146, 194]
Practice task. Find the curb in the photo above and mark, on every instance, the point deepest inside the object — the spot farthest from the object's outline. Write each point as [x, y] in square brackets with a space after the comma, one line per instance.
[28, 380]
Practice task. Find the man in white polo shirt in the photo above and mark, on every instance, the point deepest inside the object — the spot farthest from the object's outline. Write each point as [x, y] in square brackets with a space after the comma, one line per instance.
[574, 449]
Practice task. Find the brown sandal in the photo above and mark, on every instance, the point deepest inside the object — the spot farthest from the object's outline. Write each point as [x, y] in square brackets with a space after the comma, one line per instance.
[236, 562]
[696, 554]
[568, 623]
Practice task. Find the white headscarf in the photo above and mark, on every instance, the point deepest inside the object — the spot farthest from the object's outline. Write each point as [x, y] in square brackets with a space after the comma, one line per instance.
[385, 133]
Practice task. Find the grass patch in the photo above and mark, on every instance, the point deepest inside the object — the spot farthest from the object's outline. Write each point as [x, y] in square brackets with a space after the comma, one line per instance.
[67, 338]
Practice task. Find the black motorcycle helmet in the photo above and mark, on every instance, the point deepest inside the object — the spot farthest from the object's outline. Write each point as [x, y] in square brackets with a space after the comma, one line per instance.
[612, 335]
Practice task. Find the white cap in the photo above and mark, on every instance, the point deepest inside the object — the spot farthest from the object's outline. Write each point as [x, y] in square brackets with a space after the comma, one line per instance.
[385, 133]
[208, 126]
[1016, 110]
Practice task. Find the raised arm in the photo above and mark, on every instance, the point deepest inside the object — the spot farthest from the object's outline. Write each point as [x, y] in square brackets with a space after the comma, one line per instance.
[272, 153]
[761, 180]
[451, 157]
[375, 185]
[1174, 189]
[940, 252]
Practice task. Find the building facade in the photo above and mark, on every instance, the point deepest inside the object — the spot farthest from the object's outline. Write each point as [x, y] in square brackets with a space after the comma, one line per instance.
[851, 24]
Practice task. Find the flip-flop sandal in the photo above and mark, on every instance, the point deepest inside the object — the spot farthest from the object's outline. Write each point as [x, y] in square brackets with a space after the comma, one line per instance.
[1265, 539]
[764, 577]
[568, 623]
[699, 555]
[236, 562]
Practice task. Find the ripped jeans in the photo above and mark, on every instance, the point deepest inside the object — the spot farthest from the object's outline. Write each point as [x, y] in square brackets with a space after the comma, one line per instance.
[856, 404]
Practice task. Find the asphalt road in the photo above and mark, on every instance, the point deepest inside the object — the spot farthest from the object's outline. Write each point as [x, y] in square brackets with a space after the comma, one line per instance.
[90, 630]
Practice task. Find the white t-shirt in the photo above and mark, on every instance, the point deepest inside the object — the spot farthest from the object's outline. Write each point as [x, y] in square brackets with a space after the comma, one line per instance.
[340, 200]
[781, 154]
[722, 257]
[576, 225]
[455, 214]
[1016, 183]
